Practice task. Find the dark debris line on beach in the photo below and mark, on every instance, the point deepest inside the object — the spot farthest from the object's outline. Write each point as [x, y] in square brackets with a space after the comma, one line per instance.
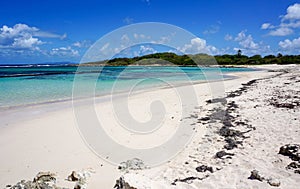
[288, 99]
[233, 137]
[230, 119]
[293, 152]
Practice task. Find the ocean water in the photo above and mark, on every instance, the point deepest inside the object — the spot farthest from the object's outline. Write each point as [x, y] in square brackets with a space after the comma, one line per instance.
[26, 85]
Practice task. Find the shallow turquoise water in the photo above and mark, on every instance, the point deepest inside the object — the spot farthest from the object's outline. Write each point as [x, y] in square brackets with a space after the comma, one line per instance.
[31, 85]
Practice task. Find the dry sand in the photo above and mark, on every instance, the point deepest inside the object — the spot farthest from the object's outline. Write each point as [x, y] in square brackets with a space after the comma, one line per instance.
[46, 138]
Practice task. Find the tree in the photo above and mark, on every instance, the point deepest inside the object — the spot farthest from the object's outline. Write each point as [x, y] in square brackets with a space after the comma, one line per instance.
[269, 56]
[239, 53]
[279, 55]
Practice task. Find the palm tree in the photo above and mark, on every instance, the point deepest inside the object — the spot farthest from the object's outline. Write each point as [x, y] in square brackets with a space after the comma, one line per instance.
[239, 53]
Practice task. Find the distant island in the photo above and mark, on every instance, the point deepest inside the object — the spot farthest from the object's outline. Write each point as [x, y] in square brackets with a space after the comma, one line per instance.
[168, 59]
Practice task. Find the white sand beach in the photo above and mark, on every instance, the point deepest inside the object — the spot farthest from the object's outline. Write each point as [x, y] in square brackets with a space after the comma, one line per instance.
[46, 138]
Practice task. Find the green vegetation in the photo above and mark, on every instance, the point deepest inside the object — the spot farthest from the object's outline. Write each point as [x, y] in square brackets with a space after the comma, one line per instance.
[168, 59]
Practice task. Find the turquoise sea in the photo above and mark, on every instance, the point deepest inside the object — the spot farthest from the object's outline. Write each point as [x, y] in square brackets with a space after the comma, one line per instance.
[32, 84]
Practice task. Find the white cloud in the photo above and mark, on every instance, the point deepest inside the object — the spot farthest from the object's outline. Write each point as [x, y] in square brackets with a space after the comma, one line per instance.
[64, 51]
[293, 12]
[197, 45]
[125, 39]
[282, 31]
[77, 44]
[289, 22]
[246, 41]
[22, 36]
[248, 45]
[82, 44]
[144, 50]
[26, 42]
[290, 44]
[240, 36]
[228, 37]
[212, 29]
[128, 20]
[136, 36]
[147, 50]
[162, 40]
[104, 47]
[266, 26]
[140, 36]
[49, 35]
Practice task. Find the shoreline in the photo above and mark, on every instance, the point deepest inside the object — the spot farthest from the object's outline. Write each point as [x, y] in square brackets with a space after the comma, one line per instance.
[50, 141]
[225, 76]
[56, 105]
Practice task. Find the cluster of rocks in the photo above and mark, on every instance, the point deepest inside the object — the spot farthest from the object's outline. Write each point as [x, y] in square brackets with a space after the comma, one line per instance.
[255, 175]
[293, 152]
[289, 99]
[133, 164]
[284, 97]
[47, 180]
[204, 168]
[122, 184]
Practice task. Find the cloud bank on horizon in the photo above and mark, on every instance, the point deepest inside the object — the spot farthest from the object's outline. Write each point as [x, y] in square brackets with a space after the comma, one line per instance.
[28, 43]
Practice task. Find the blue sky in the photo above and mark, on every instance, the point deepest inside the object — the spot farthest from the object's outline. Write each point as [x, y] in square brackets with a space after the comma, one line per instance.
[54, 31]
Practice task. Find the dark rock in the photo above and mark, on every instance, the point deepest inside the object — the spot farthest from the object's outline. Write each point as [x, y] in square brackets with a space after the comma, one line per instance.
[283, 105]
[231, 143]
[204, 119]
[121, 184]
[209, 101]
[216, 100]
[227, 123]
[234, 94]
[204, 168]
[43, 180]
[73, 176]
[226, 132]
[297, 171]
[44, 177]
[255, 176]
[294, 166]
[241, 123]
[186, 180]
[232, 105]
[222, 154]
[291, 150]
[242, 89]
